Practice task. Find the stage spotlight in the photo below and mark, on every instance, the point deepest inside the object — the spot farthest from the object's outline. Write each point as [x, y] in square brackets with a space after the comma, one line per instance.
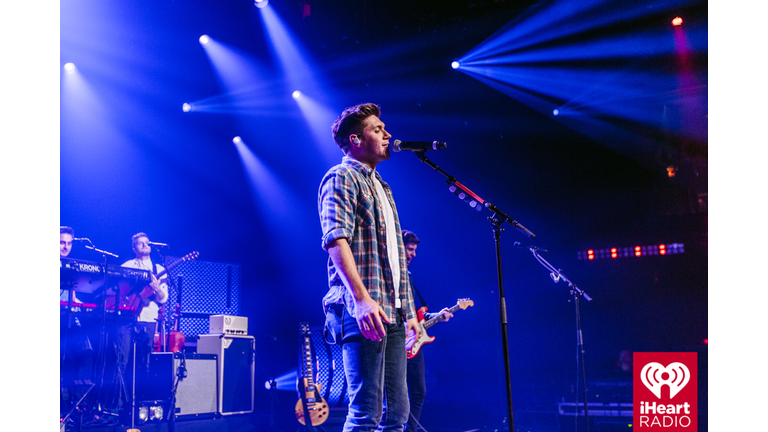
[156, 413]
[69, 67]
[204, 39]
[143, 413]
[186, 107]
[296, 94]
[555, 112]
[260, 3]
[677, 21]
[455, 64]
[237, 140]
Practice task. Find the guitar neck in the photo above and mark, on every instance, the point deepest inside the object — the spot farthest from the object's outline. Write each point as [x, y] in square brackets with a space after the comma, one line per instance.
[187, 257]
[308, 370]
[432, 321]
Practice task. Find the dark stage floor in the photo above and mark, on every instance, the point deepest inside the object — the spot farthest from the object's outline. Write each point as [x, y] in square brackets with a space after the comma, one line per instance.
[526, 422]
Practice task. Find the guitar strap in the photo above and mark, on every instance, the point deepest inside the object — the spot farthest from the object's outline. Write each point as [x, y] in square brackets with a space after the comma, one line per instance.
[421, 299]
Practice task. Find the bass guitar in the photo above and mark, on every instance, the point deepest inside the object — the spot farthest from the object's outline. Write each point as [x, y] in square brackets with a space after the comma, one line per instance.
[412, 344]
[311, 407]
[136, 298]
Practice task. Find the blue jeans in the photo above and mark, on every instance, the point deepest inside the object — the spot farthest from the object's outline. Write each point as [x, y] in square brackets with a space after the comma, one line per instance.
[376, 376]
[417, 388]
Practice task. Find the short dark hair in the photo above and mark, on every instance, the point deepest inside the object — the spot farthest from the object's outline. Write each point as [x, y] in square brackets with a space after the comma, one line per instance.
[136, 237]
[352, 120]
[66, 230]
[410, 237]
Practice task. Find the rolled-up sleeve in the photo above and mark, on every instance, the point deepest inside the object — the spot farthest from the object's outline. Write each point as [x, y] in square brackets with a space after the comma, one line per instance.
[336, 205]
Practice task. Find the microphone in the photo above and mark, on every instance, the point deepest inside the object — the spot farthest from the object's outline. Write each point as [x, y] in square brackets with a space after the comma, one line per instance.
[525, 246]
[157, 244]
[398, 145]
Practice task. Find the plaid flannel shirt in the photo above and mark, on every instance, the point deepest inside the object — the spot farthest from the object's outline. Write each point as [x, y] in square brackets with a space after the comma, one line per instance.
[349, 208]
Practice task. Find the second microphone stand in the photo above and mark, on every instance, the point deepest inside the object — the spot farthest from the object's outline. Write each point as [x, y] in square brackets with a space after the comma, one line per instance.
[576, 292]
[497, 221]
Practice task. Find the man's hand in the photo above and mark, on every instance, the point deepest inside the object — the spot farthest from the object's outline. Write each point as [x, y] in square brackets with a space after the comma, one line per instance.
[412, 331]
[445, 314]
[155, 283]
[370, 318]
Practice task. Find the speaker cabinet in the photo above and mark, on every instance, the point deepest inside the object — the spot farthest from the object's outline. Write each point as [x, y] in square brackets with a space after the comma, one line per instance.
[236, 355]
[197, 389]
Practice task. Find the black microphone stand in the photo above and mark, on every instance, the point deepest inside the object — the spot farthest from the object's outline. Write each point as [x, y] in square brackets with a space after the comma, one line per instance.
[576, 292]
[103, 338]
[497, 221]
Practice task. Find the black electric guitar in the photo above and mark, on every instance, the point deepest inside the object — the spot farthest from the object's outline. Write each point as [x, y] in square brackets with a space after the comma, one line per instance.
[310, 406]
[136, 298]
[412, 344]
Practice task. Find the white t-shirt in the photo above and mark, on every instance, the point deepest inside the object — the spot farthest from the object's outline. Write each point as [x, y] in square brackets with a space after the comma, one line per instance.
[389, 229]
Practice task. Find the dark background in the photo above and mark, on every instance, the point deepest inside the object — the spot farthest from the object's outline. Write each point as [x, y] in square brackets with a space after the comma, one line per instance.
[131, 160]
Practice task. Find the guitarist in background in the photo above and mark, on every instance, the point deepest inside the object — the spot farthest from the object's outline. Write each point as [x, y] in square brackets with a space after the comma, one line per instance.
[417, 385]
[142, 329]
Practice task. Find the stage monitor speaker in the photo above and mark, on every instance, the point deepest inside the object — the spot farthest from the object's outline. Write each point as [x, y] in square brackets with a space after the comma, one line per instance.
[236, 370]
[197, 389]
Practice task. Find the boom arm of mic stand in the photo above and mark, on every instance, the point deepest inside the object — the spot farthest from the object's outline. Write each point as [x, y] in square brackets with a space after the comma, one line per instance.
[502, 217]
[559, 275]
[93, 248]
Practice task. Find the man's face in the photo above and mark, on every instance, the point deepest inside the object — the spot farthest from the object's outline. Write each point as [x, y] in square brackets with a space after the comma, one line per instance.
[410, 252]
[141, 247]
[374, 142]
[65, 244]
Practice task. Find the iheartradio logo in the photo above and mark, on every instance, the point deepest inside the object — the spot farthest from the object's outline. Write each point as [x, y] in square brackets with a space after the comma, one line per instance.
[653, 376]
[655, 407]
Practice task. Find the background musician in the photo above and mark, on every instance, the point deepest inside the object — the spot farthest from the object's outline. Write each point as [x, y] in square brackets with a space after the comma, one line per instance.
[66, 237]
[147, 301]
[75, 349]
[417, 385]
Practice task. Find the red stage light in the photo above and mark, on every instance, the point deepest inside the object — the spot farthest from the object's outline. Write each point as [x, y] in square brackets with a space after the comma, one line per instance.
[662, 249]
[677, 21]
[590, 254]
[614, 253]
[638, 251]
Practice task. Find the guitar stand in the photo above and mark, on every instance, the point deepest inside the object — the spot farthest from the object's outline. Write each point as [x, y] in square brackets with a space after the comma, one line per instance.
[310, 429]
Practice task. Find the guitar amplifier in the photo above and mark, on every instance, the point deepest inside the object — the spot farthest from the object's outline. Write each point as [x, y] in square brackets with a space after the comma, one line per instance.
[228, 324]
[196, 392]
[236, 370]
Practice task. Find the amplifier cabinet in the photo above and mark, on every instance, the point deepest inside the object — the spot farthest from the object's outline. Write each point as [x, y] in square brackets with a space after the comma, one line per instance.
[197, 389]
[236, 355]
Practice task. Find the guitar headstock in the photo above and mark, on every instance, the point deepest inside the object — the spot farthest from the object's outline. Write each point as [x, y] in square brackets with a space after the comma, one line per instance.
[465, 303]
[304, 328]
[191, 256]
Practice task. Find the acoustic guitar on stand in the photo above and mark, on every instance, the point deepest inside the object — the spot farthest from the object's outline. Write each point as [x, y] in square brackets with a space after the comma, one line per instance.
[316, 408]
[412, 344]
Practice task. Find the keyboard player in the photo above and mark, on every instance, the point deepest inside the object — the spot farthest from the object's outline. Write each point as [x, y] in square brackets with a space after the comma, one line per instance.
[76, 353]
[66, 237]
